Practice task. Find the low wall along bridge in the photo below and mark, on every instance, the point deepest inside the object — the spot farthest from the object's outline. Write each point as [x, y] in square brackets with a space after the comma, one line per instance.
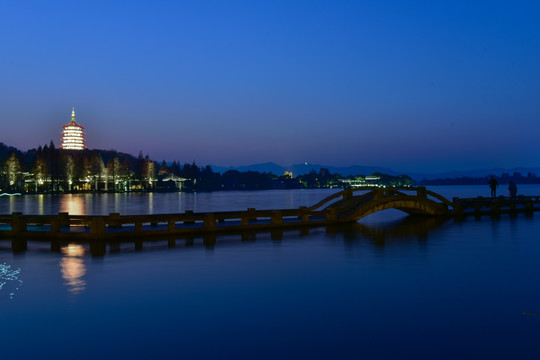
[346, 206]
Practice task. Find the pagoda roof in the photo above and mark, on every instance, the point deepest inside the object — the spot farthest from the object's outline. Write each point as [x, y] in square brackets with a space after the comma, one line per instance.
[73, 123]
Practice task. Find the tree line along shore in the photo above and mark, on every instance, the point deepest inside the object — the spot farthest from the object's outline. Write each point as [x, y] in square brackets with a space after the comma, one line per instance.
[49, 169]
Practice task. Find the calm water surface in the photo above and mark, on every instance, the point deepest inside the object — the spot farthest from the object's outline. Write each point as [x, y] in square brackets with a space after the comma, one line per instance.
[387, 287]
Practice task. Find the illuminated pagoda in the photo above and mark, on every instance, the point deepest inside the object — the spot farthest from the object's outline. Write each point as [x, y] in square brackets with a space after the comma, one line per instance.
[73, 135]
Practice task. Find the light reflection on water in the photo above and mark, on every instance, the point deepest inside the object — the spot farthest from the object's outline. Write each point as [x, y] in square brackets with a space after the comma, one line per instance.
[151, 203]
[73, 204]
[12, 204]
[40, 201]
[73, 268]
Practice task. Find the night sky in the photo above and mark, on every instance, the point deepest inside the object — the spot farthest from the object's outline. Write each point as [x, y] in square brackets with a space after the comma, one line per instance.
[411, 85]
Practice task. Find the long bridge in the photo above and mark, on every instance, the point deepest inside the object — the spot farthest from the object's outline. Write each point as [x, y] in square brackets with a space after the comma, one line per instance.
[346, 206]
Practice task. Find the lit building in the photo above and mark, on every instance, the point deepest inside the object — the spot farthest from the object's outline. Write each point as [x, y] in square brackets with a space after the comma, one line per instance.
[73, 135]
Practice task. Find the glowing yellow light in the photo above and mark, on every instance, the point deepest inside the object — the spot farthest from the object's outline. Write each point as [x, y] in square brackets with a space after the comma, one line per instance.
[73, 268]
[73, 250]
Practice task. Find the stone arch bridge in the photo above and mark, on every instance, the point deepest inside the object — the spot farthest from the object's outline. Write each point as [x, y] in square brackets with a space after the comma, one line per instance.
[415, 201]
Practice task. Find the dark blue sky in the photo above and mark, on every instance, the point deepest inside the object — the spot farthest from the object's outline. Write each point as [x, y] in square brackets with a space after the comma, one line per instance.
[411, 85]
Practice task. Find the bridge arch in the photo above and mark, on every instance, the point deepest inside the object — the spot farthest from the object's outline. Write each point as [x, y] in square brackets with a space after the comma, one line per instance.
[352, 208]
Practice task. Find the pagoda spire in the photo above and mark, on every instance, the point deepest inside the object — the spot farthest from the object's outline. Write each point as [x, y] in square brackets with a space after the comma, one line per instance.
[73, 114]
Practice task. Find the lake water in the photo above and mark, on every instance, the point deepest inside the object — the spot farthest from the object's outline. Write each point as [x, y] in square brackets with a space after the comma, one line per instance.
[386, 287]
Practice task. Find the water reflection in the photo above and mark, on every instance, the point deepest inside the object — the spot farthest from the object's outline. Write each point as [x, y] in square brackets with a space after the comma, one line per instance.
[39, 200]
[151, 203]
[12, 204]
[410, 227]
[72, 204]
[73, 268]
[380, 235]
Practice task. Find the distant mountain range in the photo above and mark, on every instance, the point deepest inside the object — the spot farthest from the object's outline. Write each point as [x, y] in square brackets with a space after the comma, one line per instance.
[304, 168]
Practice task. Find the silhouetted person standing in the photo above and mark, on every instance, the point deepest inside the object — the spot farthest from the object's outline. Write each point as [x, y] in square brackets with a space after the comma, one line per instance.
[493, 186]
[512, 188]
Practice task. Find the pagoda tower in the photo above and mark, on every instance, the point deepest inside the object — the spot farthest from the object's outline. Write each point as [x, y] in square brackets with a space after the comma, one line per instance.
[73, 135]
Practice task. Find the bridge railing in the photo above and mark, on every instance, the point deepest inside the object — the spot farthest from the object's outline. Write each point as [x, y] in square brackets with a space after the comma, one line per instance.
[359, 200]
[345, 193]
[114, 224]
[439, 197]
[326, 200]
[421, 192]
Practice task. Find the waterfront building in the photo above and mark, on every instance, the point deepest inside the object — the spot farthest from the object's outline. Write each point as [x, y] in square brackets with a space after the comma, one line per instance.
[362, 181]
[288, 174]
[73, 135]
